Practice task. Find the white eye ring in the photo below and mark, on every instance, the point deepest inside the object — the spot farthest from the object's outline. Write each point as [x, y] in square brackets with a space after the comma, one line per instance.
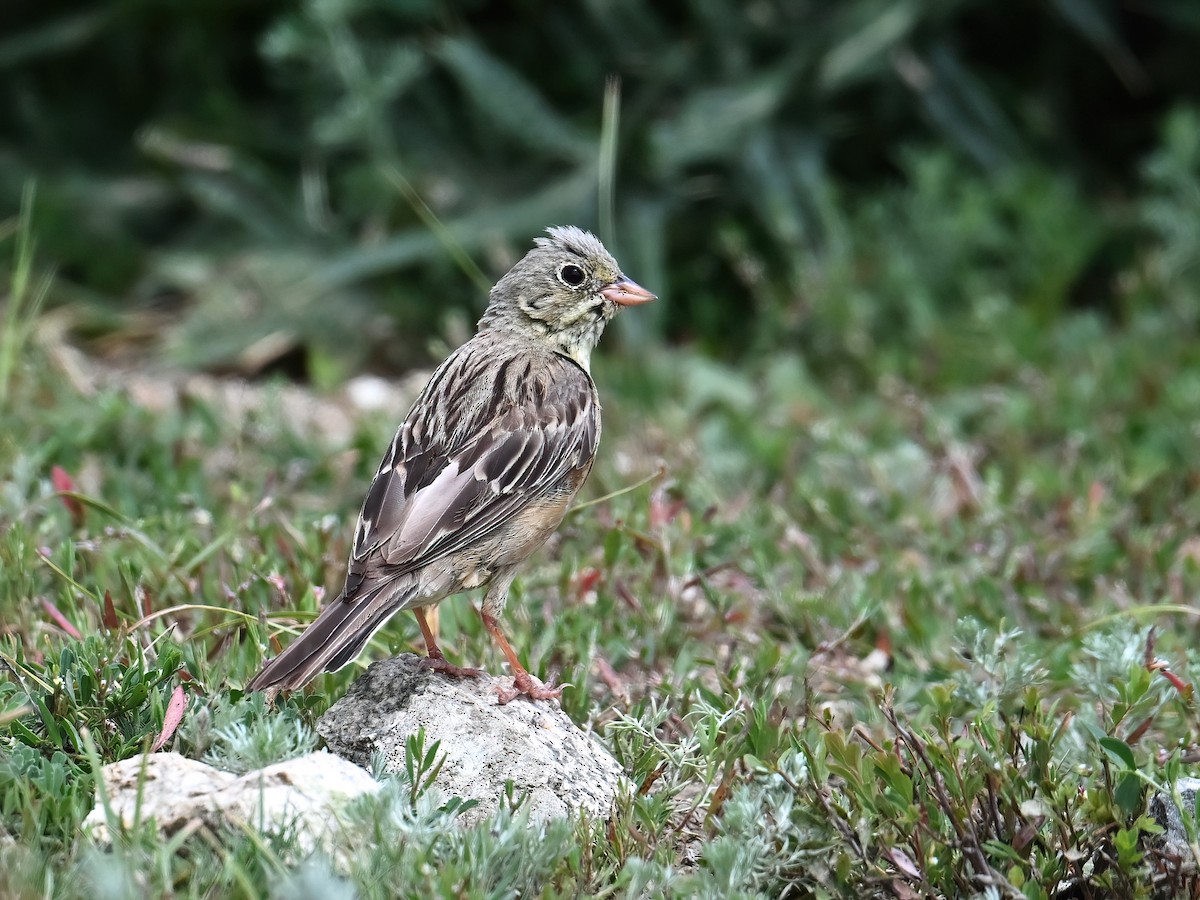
[571, 275]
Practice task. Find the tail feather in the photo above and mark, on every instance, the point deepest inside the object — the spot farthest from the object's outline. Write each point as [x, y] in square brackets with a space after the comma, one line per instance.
[334, 638]
[351, 648]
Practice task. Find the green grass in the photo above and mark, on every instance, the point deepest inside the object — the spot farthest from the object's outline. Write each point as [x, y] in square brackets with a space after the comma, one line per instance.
[906, 615]
[846, 639]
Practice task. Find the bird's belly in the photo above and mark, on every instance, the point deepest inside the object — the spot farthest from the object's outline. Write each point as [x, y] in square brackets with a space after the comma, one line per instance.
[529, 530]
[509, 546]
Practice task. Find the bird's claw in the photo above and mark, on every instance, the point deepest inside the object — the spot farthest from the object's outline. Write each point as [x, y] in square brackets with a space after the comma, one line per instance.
[439, 664]
[525, 685]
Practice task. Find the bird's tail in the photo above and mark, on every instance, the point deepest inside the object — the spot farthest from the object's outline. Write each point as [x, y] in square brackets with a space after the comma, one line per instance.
[334, 638]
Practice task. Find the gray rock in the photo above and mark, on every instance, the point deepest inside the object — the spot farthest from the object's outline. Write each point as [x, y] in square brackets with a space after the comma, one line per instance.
[1172, 858]
[1167, 814]
[535, 745]
[304, 794]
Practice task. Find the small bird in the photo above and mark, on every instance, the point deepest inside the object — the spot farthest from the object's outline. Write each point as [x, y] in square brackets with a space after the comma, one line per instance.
[482, 470]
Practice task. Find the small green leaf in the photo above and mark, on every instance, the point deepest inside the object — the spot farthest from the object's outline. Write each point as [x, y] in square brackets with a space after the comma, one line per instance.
[1128, 794]
[24, 734]
[612, 547]
[49, 721]
[1118, 751]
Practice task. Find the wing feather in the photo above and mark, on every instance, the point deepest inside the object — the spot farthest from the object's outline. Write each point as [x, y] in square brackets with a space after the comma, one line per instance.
[458, 475]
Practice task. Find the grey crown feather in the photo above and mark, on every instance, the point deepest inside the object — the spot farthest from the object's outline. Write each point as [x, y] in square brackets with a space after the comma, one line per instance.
[584, 243]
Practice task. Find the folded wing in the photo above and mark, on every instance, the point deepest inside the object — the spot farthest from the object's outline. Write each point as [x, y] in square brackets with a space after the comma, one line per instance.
[527, 439]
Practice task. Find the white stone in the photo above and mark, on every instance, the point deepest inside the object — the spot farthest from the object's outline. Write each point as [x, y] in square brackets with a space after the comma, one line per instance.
[370, 393]
[301, 796]
[535, 745]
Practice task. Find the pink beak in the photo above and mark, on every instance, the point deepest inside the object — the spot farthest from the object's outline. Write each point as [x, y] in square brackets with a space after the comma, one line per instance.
[627, 293]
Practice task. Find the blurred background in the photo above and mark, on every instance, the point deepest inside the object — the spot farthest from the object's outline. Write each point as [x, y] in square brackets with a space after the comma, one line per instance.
[323, 187]
[896, 527]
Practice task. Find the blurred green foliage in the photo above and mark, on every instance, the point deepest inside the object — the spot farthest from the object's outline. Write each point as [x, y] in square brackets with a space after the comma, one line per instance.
[316, 177]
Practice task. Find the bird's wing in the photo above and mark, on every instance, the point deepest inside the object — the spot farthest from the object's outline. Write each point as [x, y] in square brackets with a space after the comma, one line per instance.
[455, 476]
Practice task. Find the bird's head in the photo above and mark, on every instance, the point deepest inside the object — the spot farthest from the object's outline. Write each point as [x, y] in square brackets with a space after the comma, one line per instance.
[563, 291]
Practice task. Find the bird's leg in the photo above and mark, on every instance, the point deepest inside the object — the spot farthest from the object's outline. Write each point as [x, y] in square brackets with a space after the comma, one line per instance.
[523, 682]
[434, 658]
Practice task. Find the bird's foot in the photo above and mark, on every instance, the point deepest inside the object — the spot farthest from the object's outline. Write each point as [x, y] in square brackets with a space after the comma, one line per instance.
[439, 664]
[525, 685]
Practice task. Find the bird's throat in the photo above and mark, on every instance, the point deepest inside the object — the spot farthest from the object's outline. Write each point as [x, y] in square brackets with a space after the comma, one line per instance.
[580, 352]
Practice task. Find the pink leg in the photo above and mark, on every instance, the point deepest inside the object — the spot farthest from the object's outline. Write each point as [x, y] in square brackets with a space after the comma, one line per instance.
[523, 682]
[434, 658]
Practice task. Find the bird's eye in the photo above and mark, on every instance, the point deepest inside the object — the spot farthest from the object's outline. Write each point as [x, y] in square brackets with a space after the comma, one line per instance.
[571, 276]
